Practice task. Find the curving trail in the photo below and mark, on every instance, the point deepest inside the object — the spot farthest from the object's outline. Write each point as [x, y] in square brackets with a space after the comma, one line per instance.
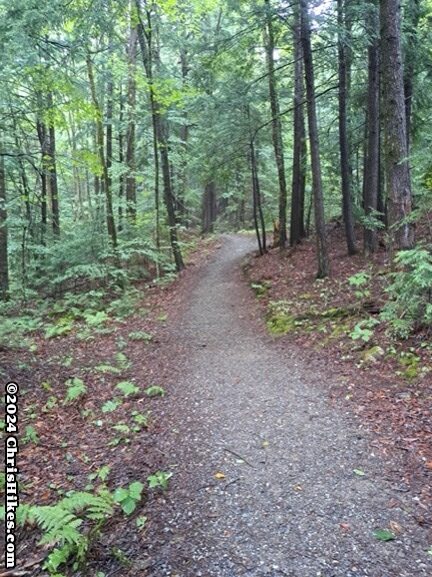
[289, 502]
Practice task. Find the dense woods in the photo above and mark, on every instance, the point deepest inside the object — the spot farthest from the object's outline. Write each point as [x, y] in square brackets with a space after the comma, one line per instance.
[132, 134]
[123, 124]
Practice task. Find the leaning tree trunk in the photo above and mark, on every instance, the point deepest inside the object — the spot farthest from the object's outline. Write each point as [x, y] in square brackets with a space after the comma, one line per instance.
[297, 228]
[371, 171]
[276, 127]
[343, 133]
[258, 215]
[398, 181]
[322, 249]
[4, 263]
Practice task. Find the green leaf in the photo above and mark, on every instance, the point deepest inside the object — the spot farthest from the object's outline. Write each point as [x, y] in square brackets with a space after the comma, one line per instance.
[135, 490]
[76, 388]
[359, 472]
[120, 494]
[155, 391]
[111, 406]
[127, 388]
[384, 535]
[128, 505]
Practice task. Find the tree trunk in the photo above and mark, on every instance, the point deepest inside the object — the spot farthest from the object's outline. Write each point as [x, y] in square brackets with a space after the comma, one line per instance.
[297, 228]
[4, 263]
[44, 148]
[371, 171]
[209, 208]
[322, 250]
[150, 50]
[184, 136]
[343, 133]
[52, 169]
[276, 126]
[104, 180]
[257, 205]
[130, 135]
[121, 188]
[109, 129]
[398, 181]
[412, 17]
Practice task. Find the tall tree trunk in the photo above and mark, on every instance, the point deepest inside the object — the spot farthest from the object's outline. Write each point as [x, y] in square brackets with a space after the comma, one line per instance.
[109, 129]
[371, 170]
[105, 179]
[297, 228]
[130, 134]
[52, 169]
[209, 208]
[276, 125]
[121, 188]
[322, 249]
[184, 136]
[43, 141]
[150, 50]
[343, 133]
[257, 204]
[4, 262]
[412, 17]
[398, 181]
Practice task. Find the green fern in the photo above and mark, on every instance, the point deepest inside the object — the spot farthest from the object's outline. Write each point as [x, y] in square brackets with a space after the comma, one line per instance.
[61, 525]
[76, 388]
[58, 524]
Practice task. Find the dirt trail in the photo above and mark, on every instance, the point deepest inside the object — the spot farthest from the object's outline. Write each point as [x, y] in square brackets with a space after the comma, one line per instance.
[289, 502]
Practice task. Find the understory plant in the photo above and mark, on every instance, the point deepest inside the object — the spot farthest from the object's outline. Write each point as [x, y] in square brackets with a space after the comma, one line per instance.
[409, 306]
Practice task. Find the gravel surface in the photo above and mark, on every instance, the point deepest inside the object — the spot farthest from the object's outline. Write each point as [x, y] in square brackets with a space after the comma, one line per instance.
[264, 481]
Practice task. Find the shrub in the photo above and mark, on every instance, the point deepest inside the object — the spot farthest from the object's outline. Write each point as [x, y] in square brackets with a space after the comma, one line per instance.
[410, 293]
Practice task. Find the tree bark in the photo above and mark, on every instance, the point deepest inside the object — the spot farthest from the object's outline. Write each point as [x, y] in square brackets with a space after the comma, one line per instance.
[297, 228]
[150, 51]
[257, 204]
[276, 126]
[321, 240]
[121, 188]
[412, 17]
[343, 133]
[398, 181]
[43, 141]
[105, 180]
[209, 208]
[109, 128]
[371, 171]
[184, 136]
[52, 170]
[4, 262]
[130, 134]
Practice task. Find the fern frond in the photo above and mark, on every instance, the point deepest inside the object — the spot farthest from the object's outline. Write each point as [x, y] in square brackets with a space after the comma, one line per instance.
[58, 524]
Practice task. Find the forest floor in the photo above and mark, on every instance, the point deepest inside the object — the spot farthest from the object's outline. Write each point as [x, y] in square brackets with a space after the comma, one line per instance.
[273, 472]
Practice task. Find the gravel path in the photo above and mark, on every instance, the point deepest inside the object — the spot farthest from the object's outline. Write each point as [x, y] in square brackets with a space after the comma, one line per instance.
[289, 502]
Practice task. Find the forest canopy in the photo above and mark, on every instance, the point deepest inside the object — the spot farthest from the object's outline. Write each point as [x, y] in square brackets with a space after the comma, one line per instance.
[126, 124]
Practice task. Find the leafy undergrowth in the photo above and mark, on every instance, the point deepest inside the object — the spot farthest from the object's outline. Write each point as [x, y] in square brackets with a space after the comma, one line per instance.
[94, 376]
[338, 323]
